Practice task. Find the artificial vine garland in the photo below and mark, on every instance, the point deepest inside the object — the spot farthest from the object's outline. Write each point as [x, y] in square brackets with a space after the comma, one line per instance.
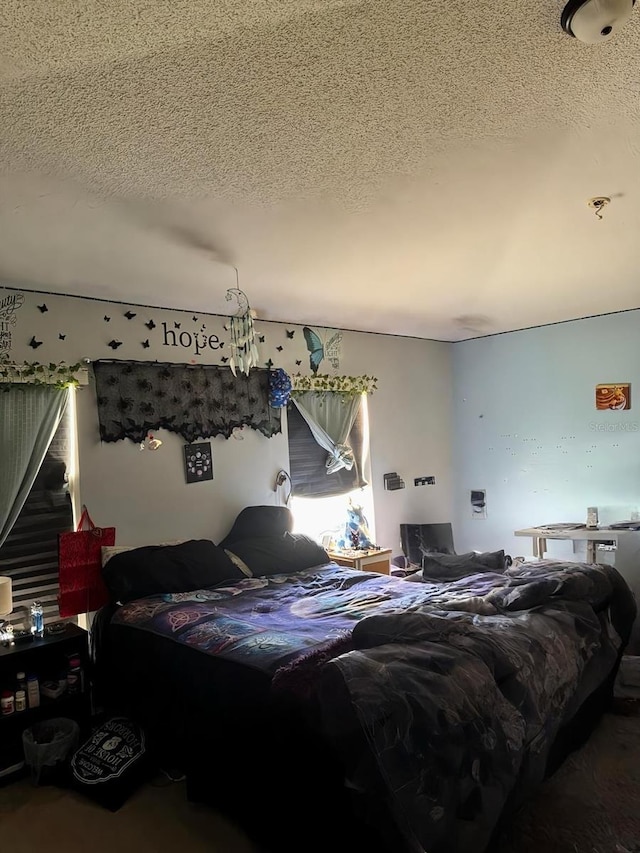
[33, 372]
[352, 386]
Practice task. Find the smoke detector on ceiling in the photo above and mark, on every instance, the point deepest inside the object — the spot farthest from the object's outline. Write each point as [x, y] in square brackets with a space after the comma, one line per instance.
[593, 21]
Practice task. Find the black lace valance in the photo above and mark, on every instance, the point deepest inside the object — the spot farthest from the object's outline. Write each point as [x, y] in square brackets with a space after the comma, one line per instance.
[195, 401]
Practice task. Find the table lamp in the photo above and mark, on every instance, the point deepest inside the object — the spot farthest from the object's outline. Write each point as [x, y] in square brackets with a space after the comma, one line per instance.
[6, 606]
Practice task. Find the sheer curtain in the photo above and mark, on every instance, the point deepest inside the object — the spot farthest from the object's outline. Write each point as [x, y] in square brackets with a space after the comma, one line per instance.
[29, 418]
[330, 416]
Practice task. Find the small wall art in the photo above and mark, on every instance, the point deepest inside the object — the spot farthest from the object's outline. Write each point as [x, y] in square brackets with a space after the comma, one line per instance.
[8, 307]
[198, 462]
[329, 347]
[478, 500]
[613, 396]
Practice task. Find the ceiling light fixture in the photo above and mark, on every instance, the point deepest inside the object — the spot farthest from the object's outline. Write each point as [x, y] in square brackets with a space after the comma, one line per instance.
[593, 21]
[598, 203]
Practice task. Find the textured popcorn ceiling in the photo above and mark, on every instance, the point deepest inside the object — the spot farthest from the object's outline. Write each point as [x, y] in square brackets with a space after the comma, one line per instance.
[412, 167]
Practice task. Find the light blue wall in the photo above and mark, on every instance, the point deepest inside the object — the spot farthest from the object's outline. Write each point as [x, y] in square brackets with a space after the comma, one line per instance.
[526, 429]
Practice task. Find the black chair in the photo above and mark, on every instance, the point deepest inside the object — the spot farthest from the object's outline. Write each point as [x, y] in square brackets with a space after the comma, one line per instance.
[420, 539]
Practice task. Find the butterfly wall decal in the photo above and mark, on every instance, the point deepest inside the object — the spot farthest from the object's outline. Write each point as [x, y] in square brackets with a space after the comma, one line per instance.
[129, 315]
[261, 338]
[146, 344]
[42, 308]
[319, 349]
[279, 349]
[194, 318]
[34, 344]
[106, 319]
[61, 337]
[114, 344]
[150, 325]
[224, 359]
[291, 333]
[176, 325]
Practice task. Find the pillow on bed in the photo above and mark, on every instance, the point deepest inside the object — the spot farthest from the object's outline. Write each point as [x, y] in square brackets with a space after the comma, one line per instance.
[109, 551]
[156, 569]
[275, 555]
[258, 522]
[454, 566]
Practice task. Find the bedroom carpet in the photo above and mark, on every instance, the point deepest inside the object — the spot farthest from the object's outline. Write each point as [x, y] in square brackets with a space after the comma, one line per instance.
[589, 806]
[154, 819]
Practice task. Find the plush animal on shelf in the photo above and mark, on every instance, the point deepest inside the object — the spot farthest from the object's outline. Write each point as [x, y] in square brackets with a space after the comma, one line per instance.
[356, 530]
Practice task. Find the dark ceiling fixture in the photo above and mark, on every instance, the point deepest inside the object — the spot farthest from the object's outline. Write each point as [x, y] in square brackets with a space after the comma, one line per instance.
[593, 21]
[598, 203]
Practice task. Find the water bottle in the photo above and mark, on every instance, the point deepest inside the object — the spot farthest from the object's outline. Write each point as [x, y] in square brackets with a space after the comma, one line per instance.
[37, 619]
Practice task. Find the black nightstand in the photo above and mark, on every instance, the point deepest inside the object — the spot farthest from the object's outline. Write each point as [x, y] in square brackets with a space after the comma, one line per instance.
[46, 657]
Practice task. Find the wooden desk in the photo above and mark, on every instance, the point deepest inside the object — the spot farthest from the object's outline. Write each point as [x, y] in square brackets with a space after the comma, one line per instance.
[376, 560]
[539, 536]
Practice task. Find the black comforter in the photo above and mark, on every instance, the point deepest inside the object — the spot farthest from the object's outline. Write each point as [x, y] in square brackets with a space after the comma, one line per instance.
[459, 689]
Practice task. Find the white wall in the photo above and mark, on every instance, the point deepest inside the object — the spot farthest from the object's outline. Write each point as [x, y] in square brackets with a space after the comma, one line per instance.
[411, 428]
[144, 493]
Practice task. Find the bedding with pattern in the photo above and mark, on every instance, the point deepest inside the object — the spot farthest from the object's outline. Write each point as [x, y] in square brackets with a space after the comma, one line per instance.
[459, 688]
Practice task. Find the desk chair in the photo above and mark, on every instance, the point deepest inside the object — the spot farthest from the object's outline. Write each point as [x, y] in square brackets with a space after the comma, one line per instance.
[420, 539]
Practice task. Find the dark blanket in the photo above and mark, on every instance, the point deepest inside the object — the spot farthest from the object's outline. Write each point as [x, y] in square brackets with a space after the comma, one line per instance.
[459, 688]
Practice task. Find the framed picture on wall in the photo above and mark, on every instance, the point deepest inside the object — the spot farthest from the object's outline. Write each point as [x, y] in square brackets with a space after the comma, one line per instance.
[198, 462]
[613, 396]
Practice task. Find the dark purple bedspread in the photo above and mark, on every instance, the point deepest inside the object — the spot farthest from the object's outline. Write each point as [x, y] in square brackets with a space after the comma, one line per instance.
[269, 622]
[459, 688]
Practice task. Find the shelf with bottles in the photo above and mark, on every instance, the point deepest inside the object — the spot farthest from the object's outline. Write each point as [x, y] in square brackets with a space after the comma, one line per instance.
[45, 677]
[67, 705]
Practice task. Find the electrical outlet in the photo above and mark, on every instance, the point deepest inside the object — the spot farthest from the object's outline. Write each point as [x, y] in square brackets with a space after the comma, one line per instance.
[424, 481]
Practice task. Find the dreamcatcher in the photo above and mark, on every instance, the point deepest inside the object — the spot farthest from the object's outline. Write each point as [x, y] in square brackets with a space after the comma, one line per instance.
[244, 352]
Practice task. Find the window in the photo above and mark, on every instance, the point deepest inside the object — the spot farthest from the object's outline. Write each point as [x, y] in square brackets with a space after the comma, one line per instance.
[319, 500]
[324, 519]
[29, 555]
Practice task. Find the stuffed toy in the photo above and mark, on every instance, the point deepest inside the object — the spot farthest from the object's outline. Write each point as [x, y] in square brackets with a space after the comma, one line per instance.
[356, 530]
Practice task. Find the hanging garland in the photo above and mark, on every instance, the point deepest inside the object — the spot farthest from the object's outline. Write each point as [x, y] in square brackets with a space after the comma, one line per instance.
[34, 373]
[349, 385]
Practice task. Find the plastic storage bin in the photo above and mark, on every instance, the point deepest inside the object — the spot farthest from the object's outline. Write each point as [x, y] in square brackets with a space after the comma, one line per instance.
[47, 746]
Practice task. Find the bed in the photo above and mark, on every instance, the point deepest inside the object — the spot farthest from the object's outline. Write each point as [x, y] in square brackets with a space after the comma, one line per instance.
[323, 708]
